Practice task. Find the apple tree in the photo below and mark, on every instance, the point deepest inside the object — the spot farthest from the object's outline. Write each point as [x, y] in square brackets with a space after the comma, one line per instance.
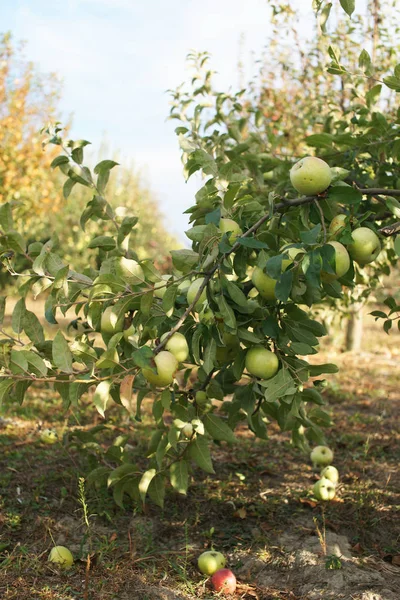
[223, 338]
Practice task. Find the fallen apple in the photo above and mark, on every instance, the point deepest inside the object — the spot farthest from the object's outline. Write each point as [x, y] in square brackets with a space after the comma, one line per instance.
[342, 263]
[261, 362]
[330, 473]
[365, 246]
[321, 456]
[310, 175]
[224, 581]
[48, 436]
[211, 561]
[166, 365]
[61, 556]
[324, 489]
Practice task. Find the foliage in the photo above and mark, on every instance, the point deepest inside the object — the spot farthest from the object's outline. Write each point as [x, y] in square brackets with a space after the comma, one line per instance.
[123, 306]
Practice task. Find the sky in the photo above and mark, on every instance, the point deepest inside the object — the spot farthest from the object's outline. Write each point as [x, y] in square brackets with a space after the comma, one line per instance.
[117, 58]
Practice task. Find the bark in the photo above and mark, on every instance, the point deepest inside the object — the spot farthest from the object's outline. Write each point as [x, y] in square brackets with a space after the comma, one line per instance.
[354, 330]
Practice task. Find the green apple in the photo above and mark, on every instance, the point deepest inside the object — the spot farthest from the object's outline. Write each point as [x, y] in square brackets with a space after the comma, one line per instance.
[324, 489]
[321, 456]
[177, 345]
[48, 436]
[187, 430]
[342, 263]
[293, 253]
[330, 473]
[264, 283]
[337, 225]
[310, 176]
[365, 246]
[61, 556]
[192, 291]
[160, 287]
[201, 397]
[211, 561]
[230, 226]
[261, 362]
[166, 365]
[184, 286]
[110, 322]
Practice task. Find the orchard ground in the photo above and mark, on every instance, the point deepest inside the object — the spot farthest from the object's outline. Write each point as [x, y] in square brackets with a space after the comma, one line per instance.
[257, 508]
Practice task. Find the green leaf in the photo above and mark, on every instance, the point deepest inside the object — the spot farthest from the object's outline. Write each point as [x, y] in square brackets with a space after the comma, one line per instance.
[348, 6]
[226, 311]
[101, 396]
[218, 429]
[184, 260]
[235, 293]
[120, 473]
[59, 160]
[397, 245]
[320, 140]
[210, 355]
[199, 451]
[33, 328]
[105, 242]
[316, 370]
[156, 490]
[6, 218]
[5, 385]
[284, 286]
[36, 363]
[62, 356]
[3, 307]
[311, 236]
[364, 62]
[18, 316]
[279, 386]
[18, 362]
[393, 83]
[179, 476]
[67, 188]
[145, 481]
[251, 242]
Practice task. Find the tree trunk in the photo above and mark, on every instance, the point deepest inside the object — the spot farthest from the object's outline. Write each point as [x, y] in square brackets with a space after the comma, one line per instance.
[354, 329]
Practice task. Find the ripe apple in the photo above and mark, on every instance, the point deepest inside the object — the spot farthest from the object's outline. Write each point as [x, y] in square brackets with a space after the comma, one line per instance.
[160, 286]
[321, 456]
[264, 283]
[337, 225]
[324, 489]
[177, 345]
[310, 176]
[61, 556]
[342, 263]
[110, 323]
[229, 225]
[365, 246]
[166, 365]
[330, 473]
[192, 291]
[187, 430]
[261, 362]
[224, 581]
[201, 397]
[211, 561]
[48, 436]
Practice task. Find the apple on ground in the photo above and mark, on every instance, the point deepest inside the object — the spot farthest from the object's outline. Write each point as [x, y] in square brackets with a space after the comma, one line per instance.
[61, 556]
[211, 561]
[192, 292]
[330, 473]
[264, 283]
[177, 345]
[224, 581]
[324, 489]
[230, 226]
[365, 246]
[261, 362]
[166, 365]
[310, 175]
[342, 263]
[321, 456]
[48, 436]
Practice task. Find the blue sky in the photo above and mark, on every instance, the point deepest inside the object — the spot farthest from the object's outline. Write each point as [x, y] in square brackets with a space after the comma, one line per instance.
[117, 58]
